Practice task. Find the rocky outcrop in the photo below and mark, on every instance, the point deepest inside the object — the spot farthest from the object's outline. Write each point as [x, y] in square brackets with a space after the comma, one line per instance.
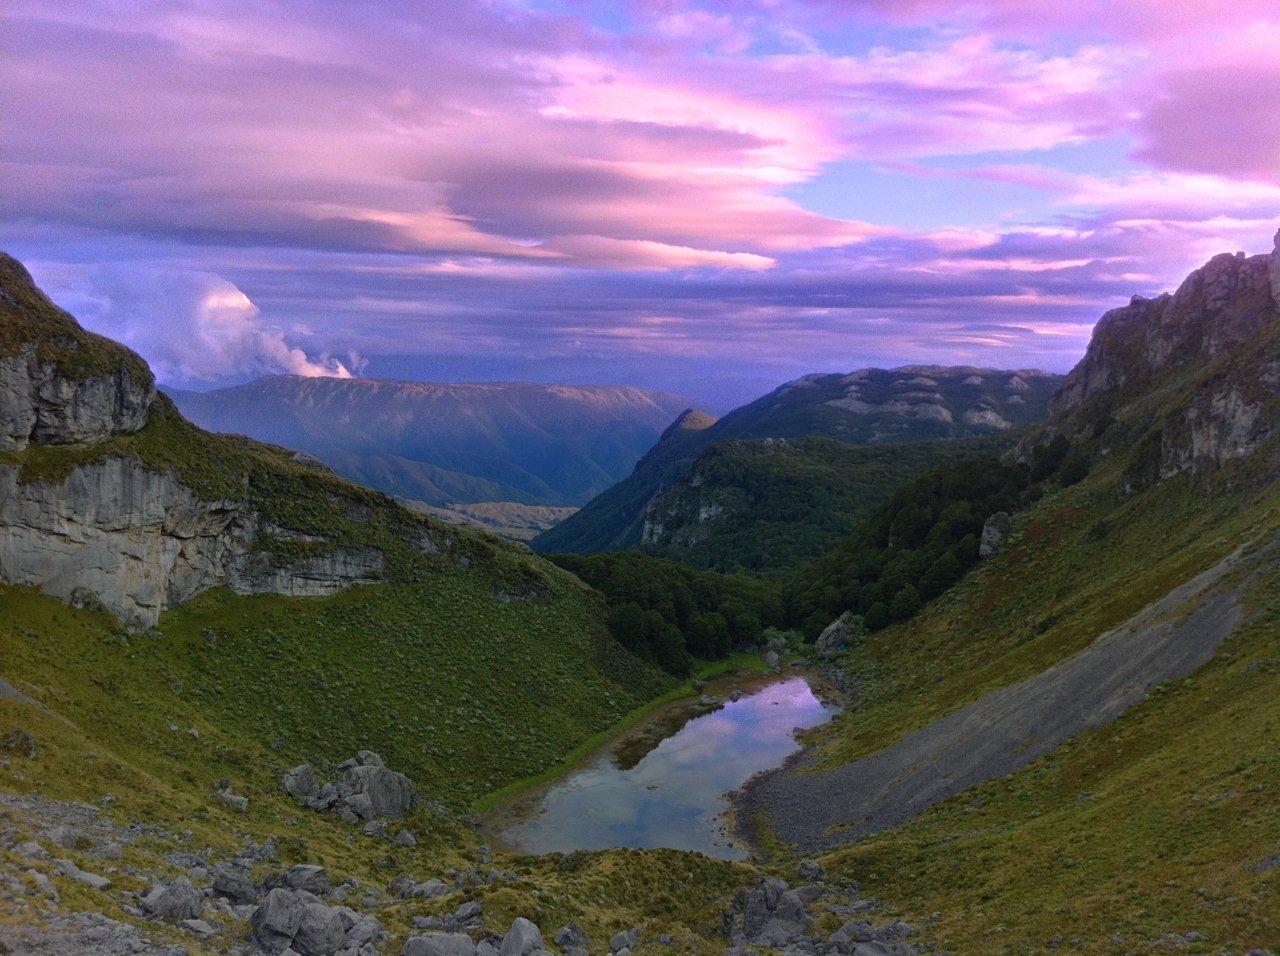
[994, 531]
[366, 790]
[845, 631]
[40, 404]
[1216, 333]
[135, 541]
[1219, 306]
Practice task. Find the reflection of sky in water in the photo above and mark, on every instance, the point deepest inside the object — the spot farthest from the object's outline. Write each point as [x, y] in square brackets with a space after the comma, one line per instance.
[675, 795]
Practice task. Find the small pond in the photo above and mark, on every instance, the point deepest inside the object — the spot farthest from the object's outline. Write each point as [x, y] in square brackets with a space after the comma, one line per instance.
[665, 783]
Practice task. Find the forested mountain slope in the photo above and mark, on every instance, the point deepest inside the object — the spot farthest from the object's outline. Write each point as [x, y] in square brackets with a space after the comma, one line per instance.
[867, 407]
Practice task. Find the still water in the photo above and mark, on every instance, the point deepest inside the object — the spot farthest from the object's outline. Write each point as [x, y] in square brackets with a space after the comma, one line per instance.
[666, 784]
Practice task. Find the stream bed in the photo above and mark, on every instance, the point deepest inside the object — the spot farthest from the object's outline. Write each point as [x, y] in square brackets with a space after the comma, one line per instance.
[664, 783]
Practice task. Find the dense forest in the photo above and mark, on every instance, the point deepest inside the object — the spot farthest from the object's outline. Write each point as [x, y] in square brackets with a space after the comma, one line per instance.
[917, 543]
[778, 503]
[670, 614]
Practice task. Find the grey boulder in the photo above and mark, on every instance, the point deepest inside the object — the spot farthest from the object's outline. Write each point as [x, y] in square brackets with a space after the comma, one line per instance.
[178, 900]
[439, 944]
[300, 782]
[374, 791]
[521, 939]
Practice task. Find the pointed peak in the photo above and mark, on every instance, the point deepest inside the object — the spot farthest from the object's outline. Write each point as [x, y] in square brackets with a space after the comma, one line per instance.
[690, 420]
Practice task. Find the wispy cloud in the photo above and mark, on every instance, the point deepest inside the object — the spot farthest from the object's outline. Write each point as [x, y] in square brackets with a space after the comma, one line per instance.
[271, 183]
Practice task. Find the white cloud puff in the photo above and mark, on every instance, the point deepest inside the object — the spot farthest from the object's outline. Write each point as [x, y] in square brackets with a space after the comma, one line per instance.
[194, 328]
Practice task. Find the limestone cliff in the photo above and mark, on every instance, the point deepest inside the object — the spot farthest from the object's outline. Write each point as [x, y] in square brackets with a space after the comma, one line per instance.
[1194, 375]
[108, 496]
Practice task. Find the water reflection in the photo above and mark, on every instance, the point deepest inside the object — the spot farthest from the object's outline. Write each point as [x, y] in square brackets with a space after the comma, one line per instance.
[675, 795]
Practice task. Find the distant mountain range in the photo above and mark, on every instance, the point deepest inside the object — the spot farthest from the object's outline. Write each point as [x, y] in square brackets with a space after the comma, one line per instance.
[867, 407]
[442, 444]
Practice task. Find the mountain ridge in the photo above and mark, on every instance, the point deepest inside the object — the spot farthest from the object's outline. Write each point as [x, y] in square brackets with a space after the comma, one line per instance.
[445, 443]
[865, 407]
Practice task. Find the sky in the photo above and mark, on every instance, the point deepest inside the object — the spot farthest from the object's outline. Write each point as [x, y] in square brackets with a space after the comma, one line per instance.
[704, 196]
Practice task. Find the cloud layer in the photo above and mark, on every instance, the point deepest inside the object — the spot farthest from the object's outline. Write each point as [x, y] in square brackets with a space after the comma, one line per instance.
[244, 186]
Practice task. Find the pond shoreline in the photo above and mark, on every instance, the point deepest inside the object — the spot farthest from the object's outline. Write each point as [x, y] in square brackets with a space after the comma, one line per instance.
[628, 743]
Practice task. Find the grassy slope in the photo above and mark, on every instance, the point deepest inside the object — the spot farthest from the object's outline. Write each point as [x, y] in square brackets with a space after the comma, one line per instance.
[786, 502]
[1143, 827]
[462, 691]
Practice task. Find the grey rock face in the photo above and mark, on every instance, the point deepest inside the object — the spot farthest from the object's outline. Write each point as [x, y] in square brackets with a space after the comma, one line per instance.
[37, 404]
[138, 542]
[994, 531]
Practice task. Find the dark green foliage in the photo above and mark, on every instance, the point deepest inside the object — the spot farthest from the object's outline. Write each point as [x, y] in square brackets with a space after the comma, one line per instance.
[671, 614]
[916, 545]
[782, 502]
[925, 537]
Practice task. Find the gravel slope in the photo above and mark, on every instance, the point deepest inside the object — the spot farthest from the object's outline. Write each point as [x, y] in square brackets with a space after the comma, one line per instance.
[1006, 729]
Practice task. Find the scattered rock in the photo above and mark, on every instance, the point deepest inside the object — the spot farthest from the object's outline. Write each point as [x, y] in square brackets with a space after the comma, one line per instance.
[68, 868]
[234, 801]
[571, 935]
[811, 870]
[626, 940]
[308, 877]
[406, 838]
[300, 782]
[233, 882]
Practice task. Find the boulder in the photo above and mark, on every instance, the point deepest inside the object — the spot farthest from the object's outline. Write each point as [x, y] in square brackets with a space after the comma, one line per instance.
[843, 632]
[439, 944]
[308, 877]
[994, 531]
[178, 900]
[570, 936]
[521, 939]
[321, 931]
[233, 882]
[300, 782]
[625, 940]
[277, 919]
[374, 791]
[772, 660]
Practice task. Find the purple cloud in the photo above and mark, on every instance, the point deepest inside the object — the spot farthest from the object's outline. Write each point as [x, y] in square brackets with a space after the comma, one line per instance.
[273, 184]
